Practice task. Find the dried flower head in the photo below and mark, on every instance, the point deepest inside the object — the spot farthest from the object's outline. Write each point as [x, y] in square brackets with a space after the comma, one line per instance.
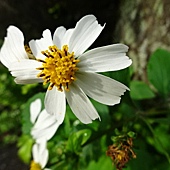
[121, 153]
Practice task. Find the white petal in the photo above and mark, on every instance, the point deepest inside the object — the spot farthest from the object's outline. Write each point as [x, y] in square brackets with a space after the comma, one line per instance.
[25, 64]
[43, 153]
[37, 46]
[35, 109]
[13, 48]
[107, 58]
[35, 153]
[66, 38]
[44, 158]
[45, 127]
[58, 36]
[25, 71]
[44, 120]
[47, 133]
[55, 104]
[101, 88]
[81, 105]
[85, 33]
[40, 153]
[27, 80]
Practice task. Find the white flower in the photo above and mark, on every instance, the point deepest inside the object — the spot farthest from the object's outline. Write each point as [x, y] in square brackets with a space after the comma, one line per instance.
[13, 52]
[13, 47]
[45, 125]
[62, 61]
[40, 156]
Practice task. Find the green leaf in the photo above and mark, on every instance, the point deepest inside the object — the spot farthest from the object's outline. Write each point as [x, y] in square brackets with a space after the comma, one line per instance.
[102, 164]
[122, 76]
[161, 140]
[25, 148]
[101, 108]
[103, 111]
[139, 91]
[158, 71]
[131, 134]
[76, 139]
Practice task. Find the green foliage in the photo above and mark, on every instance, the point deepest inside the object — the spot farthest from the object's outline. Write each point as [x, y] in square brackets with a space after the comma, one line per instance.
[140, 91]
[161, 140]
[77, 139]
[9, 107]
[143, 115]
[122, 76]
[103, 163]
[12, 98]
[25, 148]
[158, 71]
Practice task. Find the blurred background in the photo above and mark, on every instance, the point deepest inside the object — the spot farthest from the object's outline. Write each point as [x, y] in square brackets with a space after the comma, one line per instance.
[142, 25]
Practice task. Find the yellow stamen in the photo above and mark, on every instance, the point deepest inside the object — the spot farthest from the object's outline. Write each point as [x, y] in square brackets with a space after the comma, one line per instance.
[58, 68]
[35, 166]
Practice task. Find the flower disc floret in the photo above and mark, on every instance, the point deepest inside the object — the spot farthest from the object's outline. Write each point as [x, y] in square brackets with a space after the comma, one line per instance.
[58, 68]
[35, 166]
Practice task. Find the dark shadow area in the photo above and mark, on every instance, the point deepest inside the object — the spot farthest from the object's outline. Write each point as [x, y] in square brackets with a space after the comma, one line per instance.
[9, 159]
[32, 18]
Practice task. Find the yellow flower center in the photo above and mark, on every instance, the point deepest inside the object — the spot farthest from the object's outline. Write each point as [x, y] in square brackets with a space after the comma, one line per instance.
[120, 155]
[35, 166]
[58, 68]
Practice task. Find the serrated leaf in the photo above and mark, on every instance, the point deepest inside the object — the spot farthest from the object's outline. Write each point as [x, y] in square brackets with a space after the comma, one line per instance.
[139, 91]
[158, 71]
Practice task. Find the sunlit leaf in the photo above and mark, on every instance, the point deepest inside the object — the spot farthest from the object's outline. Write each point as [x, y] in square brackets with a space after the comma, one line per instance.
[25, 147]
